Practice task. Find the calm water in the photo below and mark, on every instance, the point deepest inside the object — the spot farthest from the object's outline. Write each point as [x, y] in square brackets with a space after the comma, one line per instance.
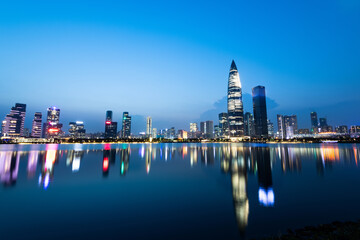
[174, 191]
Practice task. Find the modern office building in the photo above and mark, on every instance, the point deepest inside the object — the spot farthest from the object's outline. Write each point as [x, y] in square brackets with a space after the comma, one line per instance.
[110, 126]
[303, 131]
[148, 126]
[209, 129]
[235, 104]
[270, 129]
[354, 129]
[223, 125]
[13, 125]
[193, 127]
[260, 113]
[182, 134]
[52, 127]
[323, 125]
[154, 133]
[314, 122]
[248, 124]
[77, 129]
[202, 129]
[341, 129]
[287, 126]
[36, 125]
[217, 131]
[126, 125]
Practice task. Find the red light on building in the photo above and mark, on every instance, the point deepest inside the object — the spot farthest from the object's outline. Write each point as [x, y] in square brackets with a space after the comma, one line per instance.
[108, 122]
[105, 164]
[53, 130]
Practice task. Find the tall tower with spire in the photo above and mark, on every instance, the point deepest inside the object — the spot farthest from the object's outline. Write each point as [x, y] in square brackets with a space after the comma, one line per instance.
[235, 104]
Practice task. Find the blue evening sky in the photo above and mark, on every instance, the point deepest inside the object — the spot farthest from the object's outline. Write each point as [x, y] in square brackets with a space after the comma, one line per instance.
[170, 59]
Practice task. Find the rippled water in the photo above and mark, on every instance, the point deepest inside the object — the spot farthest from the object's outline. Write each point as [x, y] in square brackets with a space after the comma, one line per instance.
[174, 191]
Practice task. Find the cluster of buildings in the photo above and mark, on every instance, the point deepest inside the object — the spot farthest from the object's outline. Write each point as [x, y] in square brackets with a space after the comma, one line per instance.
[233, 124]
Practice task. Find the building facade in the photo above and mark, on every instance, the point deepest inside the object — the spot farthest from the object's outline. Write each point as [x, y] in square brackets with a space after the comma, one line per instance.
[52, 127]
[260, 113]
[126, 125]
[235, 104]
[223, 125]
[13, 124]
[37, 125]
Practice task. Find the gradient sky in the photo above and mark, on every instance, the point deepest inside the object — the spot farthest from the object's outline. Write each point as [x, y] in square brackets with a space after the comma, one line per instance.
[171, 59]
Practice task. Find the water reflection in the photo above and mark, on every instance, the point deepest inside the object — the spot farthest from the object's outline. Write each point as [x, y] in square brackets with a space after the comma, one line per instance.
[238, 161]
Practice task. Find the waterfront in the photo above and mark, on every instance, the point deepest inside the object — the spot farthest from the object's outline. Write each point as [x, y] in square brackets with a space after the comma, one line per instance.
[174, 190]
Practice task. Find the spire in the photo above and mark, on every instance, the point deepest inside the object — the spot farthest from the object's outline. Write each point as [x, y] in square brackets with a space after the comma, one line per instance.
[233, 66]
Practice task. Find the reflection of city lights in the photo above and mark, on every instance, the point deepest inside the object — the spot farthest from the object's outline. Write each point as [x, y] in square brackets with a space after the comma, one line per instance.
[106, 164]
[122, 168]
[266, 197]
[76, 164]
[46, 180]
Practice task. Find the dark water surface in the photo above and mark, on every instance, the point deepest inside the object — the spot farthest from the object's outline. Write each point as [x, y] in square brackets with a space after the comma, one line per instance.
[174, 191]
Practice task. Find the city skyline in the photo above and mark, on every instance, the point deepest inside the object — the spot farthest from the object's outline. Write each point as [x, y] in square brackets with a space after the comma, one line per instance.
[84, 48]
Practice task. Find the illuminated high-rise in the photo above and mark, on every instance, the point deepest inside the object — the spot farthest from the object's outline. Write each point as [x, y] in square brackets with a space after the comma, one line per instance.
[223, 125]
[235, 104]
[314, 122]
[248, 124]
[13, 125]
[77, 129]
[260, 114]
[148, 126]
[36, 125]
[110, 126]
[52, 127]
[126, 125]
[193, 127]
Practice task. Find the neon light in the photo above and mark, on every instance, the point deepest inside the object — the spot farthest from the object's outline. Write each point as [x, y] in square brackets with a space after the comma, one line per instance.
[53, 130]
[108, 122]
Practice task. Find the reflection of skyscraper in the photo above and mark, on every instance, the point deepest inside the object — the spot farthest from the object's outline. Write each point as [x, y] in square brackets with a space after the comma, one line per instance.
[260, 113]
[148, 158]
[36, 125]
[239, 188]
[235, 104]
[124, 159]
[9, 167]
[32, 162]
[47, 169]
[13, 125]
[266, 193]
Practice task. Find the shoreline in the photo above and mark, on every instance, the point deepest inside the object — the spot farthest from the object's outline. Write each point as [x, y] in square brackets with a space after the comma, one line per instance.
[121, 141]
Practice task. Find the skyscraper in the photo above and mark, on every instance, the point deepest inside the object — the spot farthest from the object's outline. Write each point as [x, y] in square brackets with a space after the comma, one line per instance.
[148, 126]
[223, 125]
[193, 127]
[260, 114]
[270, 128]
[314, 122]
[126, 125]
[235, 104]
[281, 126]
[202, 129]
[249, 125]
[209, 129]
[287, 126]
[110, 126]
[77, 129]
[13, 125]
[36, 125]
[53, 126]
